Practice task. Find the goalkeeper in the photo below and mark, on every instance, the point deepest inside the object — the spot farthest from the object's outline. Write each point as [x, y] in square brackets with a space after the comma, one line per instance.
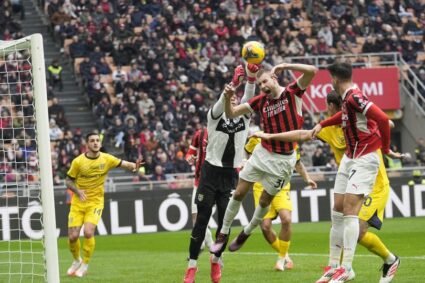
[86, 178]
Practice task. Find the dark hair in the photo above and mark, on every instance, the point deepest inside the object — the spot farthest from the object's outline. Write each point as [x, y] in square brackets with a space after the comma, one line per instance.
[334, 98]
[91, 134]
[341, 70]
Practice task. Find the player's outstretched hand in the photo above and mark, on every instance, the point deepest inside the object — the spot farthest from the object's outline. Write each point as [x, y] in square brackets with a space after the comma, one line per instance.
[312, 184]
[316, 130]
[139, 162]
[396, 155]
[229, 91]
[261, 135]
[238, 76]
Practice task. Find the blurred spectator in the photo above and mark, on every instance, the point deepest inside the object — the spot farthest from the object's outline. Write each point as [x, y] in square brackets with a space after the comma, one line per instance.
[158, 175]
[55, 132]
[55, 74]
[420, 152]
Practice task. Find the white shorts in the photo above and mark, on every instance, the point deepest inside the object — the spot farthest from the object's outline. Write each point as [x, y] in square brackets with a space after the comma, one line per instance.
[271, 169]
[357, 176]
[193, 204]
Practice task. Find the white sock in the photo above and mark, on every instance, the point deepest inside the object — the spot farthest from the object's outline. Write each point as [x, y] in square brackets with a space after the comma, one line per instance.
[351, 234]
[231, 211]
[208, 238]
[215, 258]
[192, 263]
[390, 259]
[256, 219]
[336, 238]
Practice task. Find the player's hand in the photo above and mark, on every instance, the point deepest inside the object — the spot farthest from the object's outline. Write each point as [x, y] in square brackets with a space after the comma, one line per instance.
[81, 195]
[229, 91]
[251, 71]
[312, 184]
[278, 69]
[139, 162]
[191, 159]
[238, 76]
[261, 135]
[316, 130]
[396, 155]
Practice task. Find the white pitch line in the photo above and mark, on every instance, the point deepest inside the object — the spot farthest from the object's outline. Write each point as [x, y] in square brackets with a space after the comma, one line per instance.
[422, 257]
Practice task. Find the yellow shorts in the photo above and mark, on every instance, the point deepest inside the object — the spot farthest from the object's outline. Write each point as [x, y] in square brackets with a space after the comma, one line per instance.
[281, 201]
[82, 213]
[372, 210]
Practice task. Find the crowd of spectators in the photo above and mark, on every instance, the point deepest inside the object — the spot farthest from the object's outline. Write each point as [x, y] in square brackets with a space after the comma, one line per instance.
[151, 69]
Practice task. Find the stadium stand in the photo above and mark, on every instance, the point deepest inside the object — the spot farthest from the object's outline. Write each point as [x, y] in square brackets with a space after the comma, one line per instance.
[151, 69]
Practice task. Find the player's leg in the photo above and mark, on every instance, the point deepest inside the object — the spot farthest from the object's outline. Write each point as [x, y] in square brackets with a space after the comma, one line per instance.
[336, 235]
[208, 237]
[75, 221]
[204, 199]
[360, 183]
[92, 216]
[372, 215]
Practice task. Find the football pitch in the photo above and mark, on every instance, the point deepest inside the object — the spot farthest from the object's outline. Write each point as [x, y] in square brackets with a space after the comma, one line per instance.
[161, 257]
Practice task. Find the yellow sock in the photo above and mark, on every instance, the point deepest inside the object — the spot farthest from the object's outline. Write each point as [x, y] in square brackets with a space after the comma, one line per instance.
[88, 249]
[75, 248]
[283, 247]
[275, 245]
[372, 242]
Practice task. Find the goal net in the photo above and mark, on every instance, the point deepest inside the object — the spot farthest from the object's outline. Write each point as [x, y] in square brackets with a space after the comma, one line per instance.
[28, 246]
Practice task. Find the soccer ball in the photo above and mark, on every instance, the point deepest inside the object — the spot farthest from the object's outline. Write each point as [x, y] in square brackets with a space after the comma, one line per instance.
[253, 52]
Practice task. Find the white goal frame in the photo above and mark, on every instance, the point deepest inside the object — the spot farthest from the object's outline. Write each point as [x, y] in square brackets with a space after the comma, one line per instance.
[35, 44]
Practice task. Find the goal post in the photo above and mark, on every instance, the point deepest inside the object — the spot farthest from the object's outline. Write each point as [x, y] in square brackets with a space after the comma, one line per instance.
[27, 196]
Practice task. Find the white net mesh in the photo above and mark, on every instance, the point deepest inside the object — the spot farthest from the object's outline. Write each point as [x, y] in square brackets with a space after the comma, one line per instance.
[21, 238]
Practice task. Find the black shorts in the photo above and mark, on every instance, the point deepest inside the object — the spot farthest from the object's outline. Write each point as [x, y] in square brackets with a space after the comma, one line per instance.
[216, 184]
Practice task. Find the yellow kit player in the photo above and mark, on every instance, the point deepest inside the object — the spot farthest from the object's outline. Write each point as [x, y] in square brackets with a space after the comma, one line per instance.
[372, 211]
[86, 178]
[281, 206]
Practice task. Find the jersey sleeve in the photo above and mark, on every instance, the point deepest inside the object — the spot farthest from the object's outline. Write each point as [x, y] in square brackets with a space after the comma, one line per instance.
[74, 169]
[113, 162]
[254, 103]
[360, 103]
[194, 145]
[325, 135]
[251, 144]
[294, 89]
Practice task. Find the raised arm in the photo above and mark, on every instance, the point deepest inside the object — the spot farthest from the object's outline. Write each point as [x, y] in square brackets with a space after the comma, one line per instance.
[131, 166]
[251, 71]
[308, 72]
[292, 136]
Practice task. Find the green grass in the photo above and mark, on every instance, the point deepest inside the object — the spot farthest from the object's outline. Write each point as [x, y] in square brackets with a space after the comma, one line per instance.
[161, 257]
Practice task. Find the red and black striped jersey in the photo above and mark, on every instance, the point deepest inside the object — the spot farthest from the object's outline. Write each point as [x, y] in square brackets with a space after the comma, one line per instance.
[279, 115]
[199, 143]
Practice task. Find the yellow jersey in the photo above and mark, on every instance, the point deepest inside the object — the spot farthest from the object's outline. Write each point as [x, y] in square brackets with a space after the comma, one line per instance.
[334, 137]
[249, 148]
[89, 174]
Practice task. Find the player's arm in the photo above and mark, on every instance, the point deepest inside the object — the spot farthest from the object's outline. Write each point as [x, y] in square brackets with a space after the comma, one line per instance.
[300, 168]
[132, 166]
[233, 112]
[308, 72]
[251, 71]
[331, 121]
[192, 153]
[291, 136]
[70, 184]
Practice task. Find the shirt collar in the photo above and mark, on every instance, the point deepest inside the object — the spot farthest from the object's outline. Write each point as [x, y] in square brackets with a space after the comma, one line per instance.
[347, 90]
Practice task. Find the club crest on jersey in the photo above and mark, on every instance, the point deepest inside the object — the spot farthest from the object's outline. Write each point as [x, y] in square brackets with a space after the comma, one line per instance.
[200, 197]
[102, 166]
[230, 126]
[344, 120]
